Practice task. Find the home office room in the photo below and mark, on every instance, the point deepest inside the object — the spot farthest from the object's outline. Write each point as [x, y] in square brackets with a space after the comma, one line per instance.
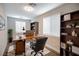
[39, 29]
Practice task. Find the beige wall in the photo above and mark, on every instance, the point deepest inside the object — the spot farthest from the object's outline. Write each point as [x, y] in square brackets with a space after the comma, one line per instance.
[54, 42]
[3, 33]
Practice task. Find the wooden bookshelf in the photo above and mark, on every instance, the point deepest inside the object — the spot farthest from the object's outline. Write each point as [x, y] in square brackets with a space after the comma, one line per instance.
[34, 27]
[70, 28]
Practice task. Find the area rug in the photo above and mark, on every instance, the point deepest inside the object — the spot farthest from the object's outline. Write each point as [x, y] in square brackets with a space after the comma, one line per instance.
[28, 50]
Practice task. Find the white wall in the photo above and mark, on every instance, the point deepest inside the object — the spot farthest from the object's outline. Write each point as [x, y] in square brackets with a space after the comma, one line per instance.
[11, 24]
[53, 41]
[3, 33]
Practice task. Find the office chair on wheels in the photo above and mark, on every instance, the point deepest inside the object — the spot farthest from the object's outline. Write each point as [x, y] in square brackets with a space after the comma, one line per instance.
[39, 45]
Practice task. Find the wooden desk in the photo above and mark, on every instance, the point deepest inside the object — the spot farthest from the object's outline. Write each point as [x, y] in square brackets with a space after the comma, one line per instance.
[20, 46]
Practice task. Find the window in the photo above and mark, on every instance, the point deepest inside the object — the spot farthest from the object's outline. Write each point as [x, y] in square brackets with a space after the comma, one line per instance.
[51, 25]
[46, 26]
[55, 25]
[19, 26]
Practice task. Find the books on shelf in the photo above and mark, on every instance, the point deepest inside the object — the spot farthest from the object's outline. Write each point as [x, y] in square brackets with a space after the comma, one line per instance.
[64, 33]
[74, 33]
[77, 26]
[33, 24]
[68, 26]
[67, 17]
[70, 42]
[63, 45]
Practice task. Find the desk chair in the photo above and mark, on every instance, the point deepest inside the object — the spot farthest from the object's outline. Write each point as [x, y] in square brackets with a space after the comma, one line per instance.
[39, 45]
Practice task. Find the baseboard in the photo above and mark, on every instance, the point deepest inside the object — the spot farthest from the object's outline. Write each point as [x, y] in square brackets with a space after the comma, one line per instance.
[53, 49]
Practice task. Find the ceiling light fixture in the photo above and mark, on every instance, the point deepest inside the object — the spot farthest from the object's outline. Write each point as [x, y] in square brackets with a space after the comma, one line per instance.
[29, 8]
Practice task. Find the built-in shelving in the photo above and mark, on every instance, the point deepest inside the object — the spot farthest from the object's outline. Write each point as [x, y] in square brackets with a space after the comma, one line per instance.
[70, 28]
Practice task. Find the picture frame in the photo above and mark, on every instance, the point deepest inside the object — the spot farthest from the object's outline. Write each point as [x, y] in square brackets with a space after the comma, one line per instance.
[2, 23]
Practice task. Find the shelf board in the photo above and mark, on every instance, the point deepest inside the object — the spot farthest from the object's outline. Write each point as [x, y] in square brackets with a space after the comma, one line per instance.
[70, 36]
[68, 28]
[72, 20]
[65, 28]
[66, 21]
[64, 34]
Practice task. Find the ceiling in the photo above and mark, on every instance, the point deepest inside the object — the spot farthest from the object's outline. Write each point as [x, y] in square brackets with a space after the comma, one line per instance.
[17, 9]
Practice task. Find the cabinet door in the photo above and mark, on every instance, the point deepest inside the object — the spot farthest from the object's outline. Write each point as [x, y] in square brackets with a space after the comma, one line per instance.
[20, 47]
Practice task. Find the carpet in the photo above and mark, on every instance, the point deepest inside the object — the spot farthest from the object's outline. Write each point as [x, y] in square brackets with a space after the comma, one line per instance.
[28, 50]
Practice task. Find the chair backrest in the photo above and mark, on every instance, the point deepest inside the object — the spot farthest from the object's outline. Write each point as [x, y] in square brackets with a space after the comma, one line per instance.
[40, 43]
[20, 47]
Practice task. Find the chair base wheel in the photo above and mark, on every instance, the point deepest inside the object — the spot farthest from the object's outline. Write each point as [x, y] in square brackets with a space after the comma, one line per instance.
[36, 53]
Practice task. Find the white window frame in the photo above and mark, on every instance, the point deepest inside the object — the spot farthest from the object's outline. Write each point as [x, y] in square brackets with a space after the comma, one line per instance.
[53, 26]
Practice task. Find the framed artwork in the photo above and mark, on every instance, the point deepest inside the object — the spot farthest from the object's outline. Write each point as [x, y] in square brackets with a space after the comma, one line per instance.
[2, 23]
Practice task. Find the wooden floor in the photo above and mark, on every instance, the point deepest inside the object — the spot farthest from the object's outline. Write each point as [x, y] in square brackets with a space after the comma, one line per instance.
[52, 53]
